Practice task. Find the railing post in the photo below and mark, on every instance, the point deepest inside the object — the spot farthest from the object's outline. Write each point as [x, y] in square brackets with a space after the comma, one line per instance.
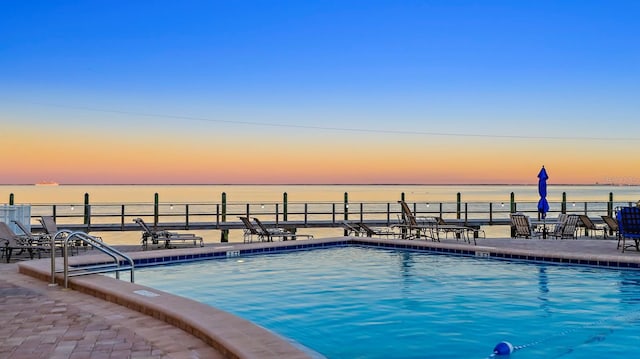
[333, 213]
[361, 212]
[346, 210]
[466, 212]
[277, 214]
[186, 216]
[285, 208]
[490, 213]
[403, 230]
[563, 206]
[306, 213]
[122, 218]
[54, 214]
[87, 212]
[388, 214]
[155, 210]
[512, 209]
[458, 204]
[224, 234]
[11, 199]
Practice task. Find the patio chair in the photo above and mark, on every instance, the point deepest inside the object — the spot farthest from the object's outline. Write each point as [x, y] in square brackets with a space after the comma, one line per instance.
[459, 231]
[591, 228]
[10, 241]
[250, 230]
[567, 229]
[629, 226]
[51, 228]
[33, 237]
[352, 229]
[270, 233]
[411, 228]
[612, 227]
[376, 231]
[520, 223]
[169, 238]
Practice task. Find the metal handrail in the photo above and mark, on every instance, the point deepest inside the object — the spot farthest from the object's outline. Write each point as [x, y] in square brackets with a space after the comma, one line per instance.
[53, 253]
[102, 247]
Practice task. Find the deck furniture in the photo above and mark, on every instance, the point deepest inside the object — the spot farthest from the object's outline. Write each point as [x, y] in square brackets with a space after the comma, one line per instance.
[612, 227]
[250, 231]
[270, 233]
[458, 231]
[566, 229]
[377, 231]
[591, 228]
[352, 229]
[169, 238]
[10, 241]
[629, 226]
[51, 228]
[522, 227]
[412, 228]
[39, 238]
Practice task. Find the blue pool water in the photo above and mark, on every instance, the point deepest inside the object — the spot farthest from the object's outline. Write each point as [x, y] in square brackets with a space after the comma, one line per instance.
[355, 302]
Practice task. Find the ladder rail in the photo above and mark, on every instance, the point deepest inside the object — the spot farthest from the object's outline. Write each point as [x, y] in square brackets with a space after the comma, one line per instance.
[115, 254]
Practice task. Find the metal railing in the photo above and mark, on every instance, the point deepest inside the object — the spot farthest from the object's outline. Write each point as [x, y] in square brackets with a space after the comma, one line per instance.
[118, 217]
[118, 265]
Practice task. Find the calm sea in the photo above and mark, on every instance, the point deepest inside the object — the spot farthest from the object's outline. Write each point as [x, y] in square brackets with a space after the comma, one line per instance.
[202, 194]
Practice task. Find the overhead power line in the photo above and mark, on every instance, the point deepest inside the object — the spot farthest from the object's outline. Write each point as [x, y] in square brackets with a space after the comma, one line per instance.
[341, 129]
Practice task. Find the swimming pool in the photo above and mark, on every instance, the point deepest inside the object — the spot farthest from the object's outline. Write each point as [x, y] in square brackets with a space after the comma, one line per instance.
[356, 302]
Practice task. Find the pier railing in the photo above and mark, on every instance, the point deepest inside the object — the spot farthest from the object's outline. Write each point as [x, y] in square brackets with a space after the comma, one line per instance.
[224, 216]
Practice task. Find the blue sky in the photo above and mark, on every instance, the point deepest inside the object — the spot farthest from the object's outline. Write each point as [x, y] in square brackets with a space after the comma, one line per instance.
[543, 69]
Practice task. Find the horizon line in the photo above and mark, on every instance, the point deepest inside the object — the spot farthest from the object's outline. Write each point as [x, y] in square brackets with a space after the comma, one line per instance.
[324, 184]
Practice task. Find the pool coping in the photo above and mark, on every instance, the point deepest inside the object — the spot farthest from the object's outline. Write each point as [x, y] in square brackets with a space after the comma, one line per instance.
[235, 337]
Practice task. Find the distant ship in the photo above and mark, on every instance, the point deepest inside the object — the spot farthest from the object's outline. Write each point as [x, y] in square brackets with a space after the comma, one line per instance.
[47, 183]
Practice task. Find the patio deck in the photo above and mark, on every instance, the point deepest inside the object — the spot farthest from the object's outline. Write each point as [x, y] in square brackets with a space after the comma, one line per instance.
[42, 321]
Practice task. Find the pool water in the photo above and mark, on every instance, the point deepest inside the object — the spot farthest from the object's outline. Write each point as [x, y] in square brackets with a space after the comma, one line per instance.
[357, 302]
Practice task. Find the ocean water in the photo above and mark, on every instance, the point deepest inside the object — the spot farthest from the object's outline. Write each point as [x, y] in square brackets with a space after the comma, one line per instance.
[70, 196]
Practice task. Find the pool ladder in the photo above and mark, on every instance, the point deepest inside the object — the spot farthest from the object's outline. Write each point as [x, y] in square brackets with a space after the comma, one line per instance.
[121, 262]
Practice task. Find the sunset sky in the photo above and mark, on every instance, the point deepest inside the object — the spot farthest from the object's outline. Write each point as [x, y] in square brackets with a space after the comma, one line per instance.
[411, 91]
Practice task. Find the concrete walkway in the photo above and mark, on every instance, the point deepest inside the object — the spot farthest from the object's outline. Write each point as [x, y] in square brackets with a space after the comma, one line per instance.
[39, 321]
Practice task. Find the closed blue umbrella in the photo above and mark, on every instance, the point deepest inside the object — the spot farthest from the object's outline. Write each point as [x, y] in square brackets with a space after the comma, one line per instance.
[543, 205]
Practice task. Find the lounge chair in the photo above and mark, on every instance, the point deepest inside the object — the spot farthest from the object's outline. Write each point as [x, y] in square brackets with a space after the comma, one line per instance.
[520, 223]
[169, 238]
[591, 228]
[459, 231]
[270, 233]
[250, 231]
[412, 228]
[37, 238]
[375, 231]
[612, 227]
[10, 241]
[629, 226]
[51, 228]
[352, 229]
[567, 229]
